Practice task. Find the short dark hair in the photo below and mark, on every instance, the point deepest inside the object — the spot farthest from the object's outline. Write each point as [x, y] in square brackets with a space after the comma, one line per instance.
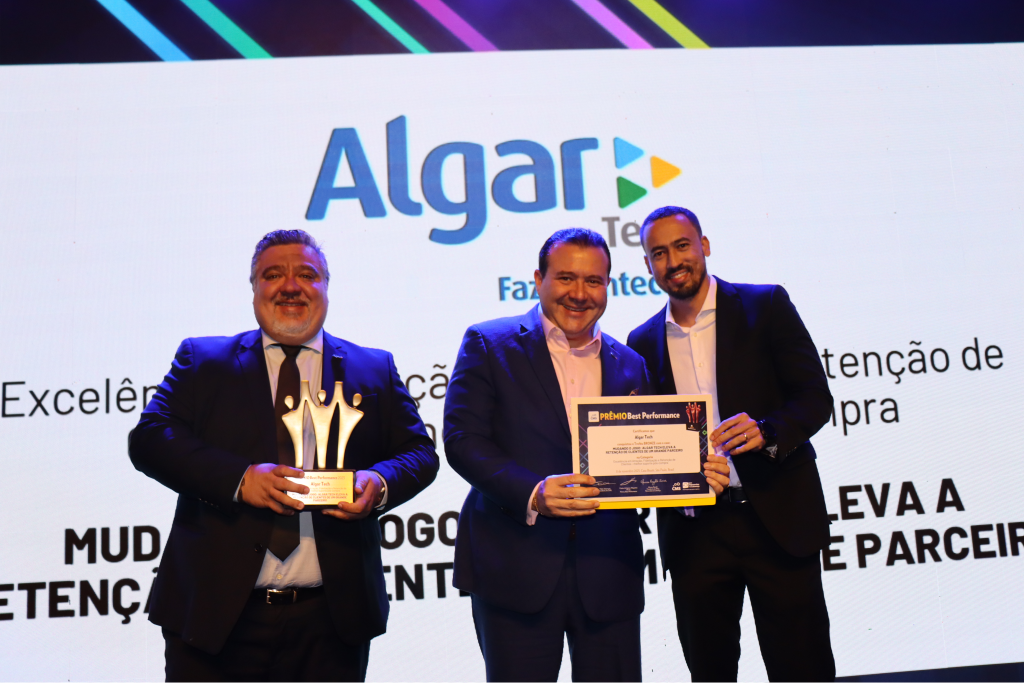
[666, 212]
[580, 237]
[279, 238]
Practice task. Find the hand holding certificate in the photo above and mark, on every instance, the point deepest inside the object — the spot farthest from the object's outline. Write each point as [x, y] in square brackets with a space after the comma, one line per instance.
[644, 451]
[567, 495]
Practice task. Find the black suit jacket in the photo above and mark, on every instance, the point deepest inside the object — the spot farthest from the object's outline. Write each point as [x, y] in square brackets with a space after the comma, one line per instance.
[767, 367]
[210, 419]
[505, 429]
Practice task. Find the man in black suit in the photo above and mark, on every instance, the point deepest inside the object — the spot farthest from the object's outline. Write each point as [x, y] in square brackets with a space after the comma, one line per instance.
[747, 347]
[542, 563]
[250, 586]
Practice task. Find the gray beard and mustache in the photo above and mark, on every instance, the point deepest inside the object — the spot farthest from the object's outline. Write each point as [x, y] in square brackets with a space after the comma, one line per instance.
[291, 327]
[689, 290]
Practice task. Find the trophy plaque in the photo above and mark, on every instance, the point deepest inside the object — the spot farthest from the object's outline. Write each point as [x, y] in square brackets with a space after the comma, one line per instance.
[327, 487]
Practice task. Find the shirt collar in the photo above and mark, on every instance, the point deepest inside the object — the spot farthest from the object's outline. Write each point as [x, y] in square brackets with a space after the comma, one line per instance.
[710, 303]
[314, 344]
[554, 333]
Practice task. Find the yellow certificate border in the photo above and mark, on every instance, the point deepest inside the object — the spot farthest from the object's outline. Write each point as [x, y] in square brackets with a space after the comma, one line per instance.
[639, 501]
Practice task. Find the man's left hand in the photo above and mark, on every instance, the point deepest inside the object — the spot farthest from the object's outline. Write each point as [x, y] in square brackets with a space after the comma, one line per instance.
[738, 434]
[716, 471]
[368, 493]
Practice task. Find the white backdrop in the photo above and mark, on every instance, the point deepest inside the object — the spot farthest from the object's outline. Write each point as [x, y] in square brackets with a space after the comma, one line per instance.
[881, 186]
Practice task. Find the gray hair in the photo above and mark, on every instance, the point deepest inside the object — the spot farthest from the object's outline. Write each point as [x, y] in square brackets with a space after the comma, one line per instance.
[279, 238]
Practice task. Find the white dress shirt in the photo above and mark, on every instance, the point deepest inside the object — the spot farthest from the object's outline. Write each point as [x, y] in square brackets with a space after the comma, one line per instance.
[691, 350]
[579, 375]
[302, 567]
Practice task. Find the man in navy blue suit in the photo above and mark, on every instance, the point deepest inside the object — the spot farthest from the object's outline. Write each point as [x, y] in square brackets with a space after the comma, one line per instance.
[542, 564]
[747, 347]
[251, 586]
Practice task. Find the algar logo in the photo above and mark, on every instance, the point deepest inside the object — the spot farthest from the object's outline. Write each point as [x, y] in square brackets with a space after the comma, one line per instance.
[345, 146]
[662, 172]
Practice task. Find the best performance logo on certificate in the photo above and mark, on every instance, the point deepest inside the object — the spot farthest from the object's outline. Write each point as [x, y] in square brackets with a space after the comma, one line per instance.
[644, 451]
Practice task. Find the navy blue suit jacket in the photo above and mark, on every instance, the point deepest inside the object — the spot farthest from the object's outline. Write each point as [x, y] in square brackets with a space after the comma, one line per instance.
[505, 429]
[767, 367]
[210, 419]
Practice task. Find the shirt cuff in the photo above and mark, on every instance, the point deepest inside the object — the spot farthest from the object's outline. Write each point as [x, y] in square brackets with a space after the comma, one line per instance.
[384, 488]
[238, 488]
[531, 514]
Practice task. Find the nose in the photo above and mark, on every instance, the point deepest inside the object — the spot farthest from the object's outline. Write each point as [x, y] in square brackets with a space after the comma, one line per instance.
[290, 284]
[578, 291]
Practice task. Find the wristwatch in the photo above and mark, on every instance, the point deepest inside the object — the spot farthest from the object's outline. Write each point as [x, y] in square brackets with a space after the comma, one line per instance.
[771, 446]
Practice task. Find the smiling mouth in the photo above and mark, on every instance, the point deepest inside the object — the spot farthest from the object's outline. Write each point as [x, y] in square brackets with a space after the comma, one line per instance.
[574, 309]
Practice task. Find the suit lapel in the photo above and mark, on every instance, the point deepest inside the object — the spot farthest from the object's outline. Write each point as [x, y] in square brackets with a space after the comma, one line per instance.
[728, 314]
[666, 381]
[531, 336]
[333, 368]
[611, 378]
[252, 363]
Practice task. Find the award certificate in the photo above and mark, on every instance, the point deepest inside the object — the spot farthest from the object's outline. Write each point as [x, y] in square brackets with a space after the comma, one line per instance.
[644, 451]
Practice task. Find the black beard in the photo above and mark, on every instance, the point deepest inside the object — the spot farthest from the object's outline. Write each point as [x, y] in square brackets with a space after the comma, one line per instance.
[689, 291]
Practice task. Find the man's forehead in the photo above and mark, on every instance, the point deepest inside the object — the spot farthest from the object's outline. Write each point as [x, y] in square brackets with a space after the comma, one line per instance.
[576, 253]
[598, 268]
[672, 229]
[288, 254]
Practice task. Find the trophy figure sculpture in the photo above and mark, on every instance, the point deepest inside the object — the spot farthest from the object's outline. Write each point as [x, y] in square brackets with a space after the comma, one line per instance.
[327, 487]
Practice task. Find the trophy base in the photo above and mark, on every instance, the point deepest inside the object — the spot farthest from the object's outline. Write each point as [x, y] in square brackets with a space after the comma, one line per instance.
[327, 488]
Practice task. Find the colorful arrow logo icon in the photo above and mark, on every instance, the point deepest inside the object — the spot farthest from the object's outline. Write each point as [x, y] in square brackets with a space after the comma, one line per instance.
[662, 172]
[629, 192]
[626, 153]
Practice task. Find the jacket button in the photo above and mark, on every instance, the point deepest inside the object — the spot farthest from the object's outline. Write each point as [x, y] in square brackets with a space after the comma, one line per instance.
[257, 548]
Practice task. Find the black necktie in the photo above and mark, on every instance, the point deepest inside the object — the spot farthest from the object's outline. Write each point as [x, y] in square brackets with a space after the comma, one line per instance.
[284, 537]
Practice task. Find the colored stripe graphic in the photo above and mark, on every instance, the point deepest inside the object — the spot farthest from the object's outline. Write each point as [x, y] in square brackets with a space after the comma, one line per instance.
[154, 39]
[389, 25]
[227, 29]
[611, 23]
[669, 24]
[445, 16]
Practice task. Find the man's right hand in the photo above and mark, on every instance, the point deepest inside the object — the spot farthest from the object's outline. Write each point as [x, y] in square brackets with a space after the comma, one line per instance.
[555, 498]
[264, 486]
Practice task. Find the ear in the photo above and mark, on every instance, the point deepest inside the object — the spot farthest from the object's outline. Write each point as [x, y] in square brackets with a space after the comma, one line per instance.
[706, 244]
[647, 262]
[537, 278]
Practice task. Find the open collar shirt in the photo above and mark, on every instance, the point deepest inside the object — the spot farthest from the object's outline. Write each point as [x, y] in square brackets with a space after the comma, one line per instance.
[691, 350]
[579, 375]
[578, 370]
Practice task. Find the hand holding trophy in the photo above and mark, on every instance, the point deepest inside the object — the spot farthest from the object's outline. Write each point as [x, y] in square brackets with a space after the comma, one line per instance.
[327, 487]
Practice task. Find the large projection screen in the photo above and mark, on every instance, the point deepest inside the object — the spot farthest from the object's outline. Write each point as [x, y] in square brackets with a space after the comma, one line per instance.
[882, 186]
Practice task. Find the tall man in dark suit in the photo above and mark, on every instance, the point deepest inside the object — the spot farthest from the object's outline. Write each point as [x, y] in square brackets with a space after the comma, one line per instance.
[542, 564]
[250, 586]
[747, 347]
